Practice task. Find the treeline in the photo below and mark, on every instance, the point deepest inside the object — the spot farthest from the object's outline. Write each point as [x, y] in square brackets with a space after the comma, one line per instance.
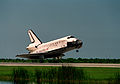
[68, 60]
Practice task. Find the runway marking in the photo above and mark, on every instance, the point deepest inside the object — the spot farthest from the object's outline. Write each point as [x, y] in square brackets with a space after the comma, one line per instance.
[63, 64]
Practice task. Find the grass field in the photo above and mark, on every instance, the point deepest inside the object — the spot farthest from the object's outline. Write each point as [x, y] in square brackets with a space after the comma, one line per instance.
[92, 73]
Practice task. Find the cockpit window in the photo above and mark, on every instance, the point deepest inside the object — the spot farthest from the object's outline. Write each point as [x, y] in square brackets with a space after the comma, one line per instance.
[70, 37]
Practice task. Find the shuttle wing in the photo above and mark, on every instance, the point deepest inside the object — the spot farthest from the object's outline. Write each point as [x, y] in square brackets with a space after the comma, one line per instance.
[30, 55]
[48, 54]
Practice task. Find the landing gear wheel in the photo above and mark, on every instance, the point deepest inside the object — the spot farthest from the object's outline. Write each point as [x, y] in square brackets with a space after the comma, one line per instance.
[77, 50]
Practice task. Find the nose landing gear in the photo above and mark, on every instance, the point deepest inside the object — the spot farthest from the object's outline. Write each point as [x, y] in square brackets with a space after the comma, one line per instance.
[77, 50]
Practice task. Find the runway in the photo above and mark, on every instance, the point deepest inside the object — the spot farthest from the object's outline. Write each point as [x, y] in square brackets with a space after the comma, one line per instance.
[63, 64]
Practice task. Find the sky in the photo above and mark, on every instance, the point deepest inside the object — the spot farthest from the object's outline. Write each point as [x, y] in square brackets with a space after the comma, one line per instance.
[95, 22]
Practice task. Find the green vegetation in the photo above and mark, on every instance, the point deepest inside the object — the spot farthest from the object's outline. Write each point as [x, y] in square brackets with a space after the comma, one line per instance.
[68, 60]
[88, 73]
[20, 76]
[59, 75]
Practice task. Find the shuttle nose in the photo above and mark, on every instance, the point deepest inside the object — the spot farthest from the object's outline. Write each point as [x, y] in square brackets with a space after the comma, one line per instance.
[79, 43]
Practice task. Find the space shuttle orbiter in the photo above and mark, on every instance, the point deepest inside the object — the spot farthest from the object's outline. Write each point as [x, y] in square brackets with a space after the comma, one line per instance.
[52, 49]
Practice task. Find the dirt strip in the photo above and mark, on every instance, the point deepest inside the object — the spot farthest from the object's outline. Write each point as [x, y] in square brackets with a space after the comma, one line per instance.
[63, 64]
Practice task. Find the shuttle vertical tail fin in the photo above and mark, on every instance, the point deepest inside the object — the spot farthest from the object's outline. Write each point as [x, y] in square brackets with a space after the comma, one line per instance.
[33, 37]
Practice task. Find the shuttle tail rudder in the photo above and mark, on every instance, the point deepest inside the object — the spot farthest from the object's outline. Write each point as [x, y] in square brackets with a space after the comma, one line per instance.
[33, 37]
